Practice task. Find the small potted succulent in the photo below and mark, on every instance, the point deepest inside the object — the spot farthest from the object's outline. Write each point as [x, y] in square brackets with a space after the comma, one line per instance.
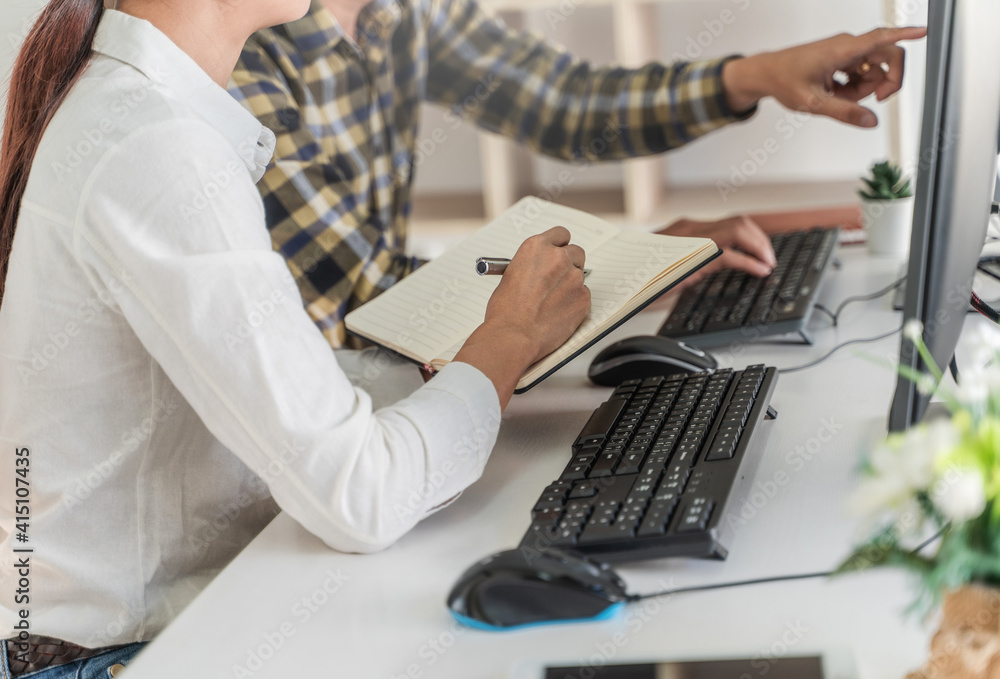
[887, 209]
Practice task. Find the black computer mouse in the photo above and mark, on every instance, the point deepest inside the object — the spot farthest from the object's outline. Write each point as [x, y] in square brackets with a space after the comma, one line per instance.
[647, 356]
[522, 587]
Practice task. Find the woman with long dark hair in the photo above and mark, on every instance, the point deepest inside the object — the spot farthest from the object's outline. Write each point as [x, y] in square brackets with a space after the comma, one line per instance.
[162, 389]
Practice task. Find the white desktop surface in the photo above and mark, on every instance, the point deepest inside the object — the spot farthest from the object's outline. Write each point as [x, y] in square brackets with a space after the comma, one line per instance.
[386, 615]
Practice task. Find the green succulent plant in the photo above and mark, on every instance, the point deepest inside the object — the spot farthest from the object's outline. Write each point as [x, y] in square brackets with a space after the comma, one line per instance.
[886, 182]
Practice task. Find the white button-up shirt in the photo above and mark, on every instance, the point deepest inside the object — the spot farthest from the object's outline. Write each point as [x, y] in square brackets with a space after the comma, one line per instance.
[158, 366]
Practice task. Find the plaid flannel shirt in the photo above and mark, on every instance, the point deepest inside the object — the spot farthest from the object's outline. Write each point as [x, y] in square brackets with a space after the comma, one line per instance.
[345, 113]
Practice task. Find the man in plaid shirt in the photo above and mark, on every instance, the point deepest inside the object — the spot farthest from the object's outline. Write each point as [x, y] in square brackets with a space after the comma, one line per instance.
[341, 89]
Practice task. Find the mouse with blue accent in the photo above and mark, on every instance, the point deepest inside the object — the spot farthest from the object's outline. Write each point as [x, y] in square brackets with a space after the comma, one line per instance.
[525, 587]
[647, 356]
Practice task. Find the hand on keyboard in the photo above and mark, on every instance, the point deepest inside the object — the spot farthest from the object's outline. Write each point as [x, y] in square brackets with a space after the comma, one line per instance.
[733, 306]
[744, 244]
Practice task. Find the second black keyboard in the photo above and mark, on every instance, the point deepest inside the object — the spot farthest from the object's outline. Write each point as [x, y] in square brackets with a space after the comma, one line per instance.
[656, 467]
[733, 306]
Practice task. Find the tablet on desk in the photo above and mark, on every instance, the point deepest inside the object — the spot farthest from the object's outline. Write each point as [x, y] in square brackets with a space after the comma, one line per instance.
[837, 664]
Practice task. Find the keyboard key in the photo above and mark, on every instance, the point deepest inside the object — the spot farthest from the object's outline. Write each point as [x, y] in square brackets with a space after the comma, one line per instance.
[694, 515]
[564, 537]
[694, 485]
[575, 472]
[657, 517]
[721, 450]
[637, 500]
[631, 463]
[585, 489]
[546, 517]
[549, 501]
[601, 423]
[625, 529]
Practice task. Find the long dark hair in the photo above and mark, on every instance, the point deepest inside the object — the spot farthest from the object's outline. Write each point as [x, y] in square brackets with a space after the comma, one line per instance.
[53, 56]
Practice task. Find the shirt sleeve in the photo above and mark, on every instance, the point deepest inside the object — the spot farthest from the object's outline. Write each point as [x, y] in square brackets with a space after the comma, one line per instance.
[187, 260]
[522, 86]
[340, 257]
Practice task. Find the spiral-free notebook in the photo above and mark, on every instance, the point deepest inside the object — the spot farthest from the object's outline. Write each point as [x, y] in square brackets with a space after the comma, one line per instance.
[428, 315]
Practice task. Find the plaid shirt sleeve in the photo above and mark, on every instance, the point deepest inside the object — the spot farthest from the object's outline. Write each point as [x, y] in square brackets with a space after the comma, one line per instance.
[314, 219]
[521, 86]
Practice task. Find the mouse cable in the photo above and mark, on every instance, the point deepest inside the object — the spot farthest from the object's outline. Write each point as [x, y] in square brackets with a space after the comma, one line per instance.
[835, 315]
[860, 340]
[724, 585]
[761, 581]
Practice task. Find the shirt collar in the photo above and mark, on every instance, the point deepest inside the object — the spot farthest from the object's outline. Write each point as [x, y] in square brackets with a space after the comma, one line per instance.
[318, 32]
[139, 44]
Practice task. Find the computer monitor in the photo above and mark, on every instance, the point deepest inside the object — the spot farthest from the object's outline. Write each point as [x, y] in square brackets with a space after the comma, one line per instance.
[955, 184]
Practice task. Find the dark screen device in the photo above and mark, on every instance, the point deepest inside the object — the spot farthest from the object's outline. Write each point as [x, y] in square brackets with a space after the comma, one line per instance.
[833, 664]
[956, 184]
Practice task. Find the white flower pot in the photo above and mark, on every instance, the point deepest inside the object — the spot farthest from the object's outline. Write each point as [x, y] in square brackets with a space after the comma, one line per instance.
[888, 225]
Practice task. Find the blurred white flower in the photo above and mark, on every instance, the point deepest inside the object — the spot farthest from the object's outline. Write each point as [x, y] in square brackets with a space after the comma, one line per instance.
[973, 390]
[959, 494]
[913, 329]
[926, 384]
[901, 467]
[942, 436]
[982, 356]
[987, 336]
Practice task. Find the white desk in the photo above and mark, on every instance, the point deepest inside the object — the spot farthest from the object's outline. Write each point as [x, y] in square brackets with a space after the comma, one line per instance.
[386, 616]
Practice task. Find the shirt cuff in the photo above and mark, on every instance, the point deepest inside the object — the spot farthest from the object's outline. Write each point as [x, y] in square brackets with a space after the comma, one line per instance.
[720, 96]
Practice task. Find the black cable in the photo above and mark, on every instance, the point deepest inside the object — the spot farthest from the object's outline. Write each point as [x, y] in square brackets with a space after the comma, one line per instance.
[837, 348]
[919, 548]
[760, 581]
[985, 309]
[820, 307]
[723, 585]
[835, 315]
[986, 263]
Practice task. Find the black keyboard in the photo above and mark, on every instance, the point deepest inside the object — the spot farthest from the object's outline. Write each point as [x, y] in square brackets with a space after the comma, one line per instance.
[733, 306]
[656, 468]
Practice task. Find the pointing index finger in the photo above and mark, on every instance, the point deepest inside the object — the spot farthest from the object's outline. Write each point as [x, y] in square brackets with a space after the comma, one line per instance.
[881, 37]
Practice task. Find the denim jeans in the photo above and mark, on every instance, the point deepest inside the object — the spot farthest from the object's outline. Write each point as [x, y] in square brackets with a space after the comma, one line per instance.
[97, 667]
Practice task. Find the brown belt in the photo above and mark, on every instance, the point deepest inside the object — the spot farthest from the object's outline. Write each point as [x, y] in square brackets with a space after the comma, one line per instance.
[45, 652]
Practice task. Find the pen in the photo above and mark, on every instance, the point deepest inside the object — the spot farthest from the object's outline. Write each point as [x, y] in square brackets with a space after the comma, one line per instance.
[495, 266]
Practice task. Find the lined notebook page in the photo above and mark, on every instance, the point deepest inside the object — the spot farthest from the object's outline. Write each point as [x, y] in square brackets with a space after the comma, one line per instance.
[431, 314]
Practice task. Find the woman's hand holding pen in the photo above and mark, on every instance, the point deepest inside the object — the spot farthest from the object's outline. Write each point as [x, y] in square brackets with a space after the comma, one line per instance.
[805, 77]
[540, 301]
